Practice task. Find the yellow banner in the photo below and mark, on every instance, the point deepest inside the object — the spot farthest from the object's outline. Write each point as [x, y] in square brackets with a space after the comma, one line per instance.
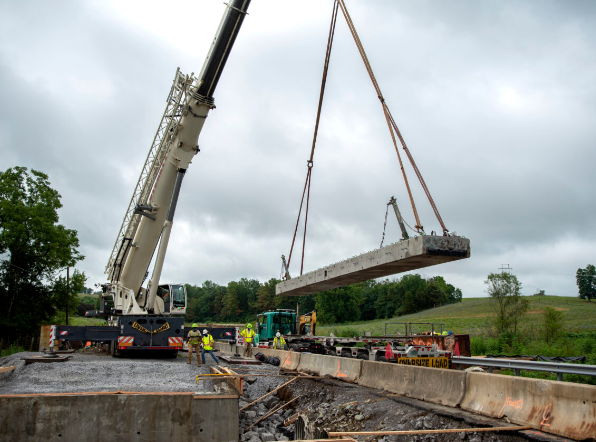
[164, 327]
[425, 362]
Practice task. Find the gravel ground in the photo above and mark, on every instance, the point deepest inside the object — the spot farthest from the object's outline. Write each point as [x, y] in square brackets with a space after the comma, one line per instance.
[331, 405]
[97, 371]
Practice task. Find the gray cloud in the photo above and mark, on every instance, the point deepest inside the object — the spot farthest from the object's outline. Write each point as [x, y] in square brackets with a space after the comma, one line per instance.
[496, 102]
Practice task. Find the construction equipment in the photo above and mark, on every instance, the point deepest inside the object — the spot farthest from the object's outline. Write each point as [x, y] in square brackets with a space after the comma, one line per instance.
[151, 317]
[292, 325]
[400, 349]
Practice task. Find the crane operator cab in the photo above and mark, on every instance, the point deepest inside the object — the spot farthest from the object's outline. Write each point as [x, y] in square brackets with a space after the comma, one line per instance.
[171, 299]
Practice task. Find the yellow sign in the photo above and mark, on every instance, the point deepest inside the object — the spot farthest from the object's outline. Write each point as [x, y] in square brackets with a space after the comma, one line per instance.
[164, 327]
[425, 362]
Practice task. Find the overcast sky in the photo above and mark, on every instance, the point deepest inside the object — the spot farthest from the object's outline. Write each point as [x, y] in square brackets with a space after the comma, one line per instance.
[495, 99]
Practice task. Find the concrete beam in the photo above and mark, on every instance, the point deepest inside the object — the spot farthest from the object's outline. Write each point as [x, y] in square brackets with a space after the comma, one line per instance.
[412, 254]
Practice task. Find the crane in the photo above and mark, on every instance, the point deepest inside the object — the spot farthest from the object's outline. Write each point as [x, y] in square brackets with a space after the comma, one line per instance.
[150, 317]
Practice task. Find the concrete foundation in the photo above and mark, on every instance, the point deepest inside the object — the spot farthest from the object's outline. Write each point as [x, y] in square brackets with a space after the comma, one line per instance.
[119, 417]
[415, 253]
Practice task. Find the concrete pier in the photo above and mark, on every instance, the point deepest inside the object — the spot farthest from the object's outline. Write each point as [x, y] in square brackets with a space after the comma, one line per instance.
[412, 254]
[119, 417]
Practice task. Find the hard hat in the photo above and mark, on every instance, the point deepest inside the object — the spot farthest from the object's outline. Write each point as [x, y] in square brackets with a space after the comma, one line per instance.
[249, 325]
[277, 334]
[195, 325]
[205, 332]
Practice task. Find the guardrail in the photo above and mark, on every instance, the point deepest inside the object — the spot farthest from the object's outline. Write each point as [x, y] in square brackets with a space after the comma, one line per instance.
[517, 365]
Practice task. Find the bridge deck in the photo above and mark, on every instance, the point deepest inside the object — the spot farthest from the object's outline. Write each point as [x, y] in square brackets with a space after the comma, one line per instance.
[412, 254]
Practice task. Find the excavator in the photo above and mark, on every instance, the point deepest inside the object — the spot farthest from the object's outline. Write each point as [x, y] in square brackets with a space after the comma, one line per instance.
[151, 317]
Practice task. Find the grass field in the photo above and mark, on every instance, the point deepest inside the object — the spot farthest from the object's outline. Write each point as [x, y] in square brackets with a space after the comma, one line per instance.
[472, 315]
[79, 320]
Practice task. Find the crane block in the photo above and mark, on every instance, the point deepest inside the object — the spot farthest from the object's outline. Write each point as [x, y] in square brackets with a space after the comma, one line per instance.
[412, 254]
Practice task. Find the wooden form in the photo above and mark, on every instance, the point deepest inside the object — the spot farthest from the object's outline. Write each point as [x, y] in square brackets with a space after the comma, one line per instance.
[271, 392]
[447, 430]
[239, 360]
[279, 407]
[45, 360]
[232, 379]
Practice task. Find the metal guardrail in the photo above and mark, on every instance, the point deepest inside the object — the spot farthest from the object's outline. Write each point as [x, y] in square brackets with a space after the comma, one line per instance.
[517, 365]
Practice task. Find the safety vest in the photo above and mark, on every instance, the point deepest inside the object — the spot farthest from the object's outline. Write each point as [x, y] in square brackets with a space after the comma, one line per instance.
[207, 341]
[282, 341]
[193, 337]
[247, 334]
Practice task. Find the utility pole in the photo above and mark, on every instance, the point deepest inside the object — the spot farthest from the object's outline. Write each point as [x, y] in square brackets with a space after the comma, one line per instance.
[504, 269]
[67, 291]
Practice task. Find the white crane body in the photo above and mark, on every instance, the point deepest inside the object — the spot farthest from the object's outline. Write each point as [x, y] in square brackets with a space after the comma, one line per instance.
[151, 317]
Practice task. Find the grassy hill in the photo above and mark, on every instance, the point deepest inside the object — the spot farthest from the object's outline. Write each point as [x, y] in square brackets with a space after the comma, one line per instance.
[472, 315]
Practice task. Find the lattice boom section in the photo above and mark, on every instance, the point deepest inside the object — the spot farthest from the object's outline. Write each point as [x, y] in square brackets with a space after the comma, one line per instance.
[167, 129]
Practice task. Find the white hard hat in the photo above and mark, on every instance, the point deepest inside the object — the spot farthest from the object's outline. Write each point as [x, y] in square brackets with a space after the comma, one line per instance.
[277, 334]
[205, 332]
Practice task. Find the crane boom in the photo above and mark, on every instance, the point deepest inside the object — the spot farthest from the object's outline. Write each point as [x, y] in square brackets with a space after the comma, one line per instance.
[149, 218]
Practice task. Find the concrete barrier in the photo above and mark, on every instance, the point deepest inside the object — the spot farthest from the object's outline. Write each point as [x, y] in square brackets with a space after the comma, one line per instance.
[107, 417]
[560, 408]
[291, 360]
[269, 352]
[345, 369]
[445, 387]
[226, 348]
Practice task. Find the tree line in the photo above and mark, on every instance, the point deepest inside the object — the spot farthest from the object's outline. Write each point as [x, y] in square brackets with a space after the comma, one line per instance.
[241, 301]
[35, 249]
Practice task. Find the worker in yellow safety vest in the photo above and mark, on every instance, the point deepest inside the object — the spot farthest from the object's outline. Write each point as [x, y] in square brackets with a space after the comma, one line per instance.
[194, 341]
[248, 334]
[208, 346]
[279, 343]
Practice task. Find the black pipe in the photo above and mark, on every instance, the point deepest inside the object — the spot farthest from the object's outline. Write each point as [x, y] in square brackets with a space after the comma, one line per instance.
[222, 47]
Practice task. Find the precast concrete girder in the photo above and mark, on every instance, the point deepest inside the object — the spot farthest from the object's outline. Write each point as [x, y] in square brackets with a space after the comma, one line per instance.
[412, 254]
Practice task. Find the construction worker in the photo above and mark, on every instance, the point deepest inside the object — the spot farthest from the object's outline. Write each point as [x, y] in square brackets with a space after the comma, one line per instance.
[194, 341]
[279, 343]
[248, 334]
[207, 346]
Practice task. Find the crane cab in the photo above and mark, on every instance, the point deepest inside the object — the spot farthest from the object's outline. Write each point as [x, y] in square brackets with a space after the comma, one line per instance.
[171, 299]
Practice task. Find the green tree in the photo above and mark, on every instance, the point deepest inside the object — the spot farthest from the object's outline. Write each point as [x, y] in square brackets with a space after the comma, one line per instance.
[34, 248]
[586, 282]
[370, 295]
[231, 302]
[65, 292]
[414, 293]
[553, 323]
[339, 305]
[508, 304]
[266, 296]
